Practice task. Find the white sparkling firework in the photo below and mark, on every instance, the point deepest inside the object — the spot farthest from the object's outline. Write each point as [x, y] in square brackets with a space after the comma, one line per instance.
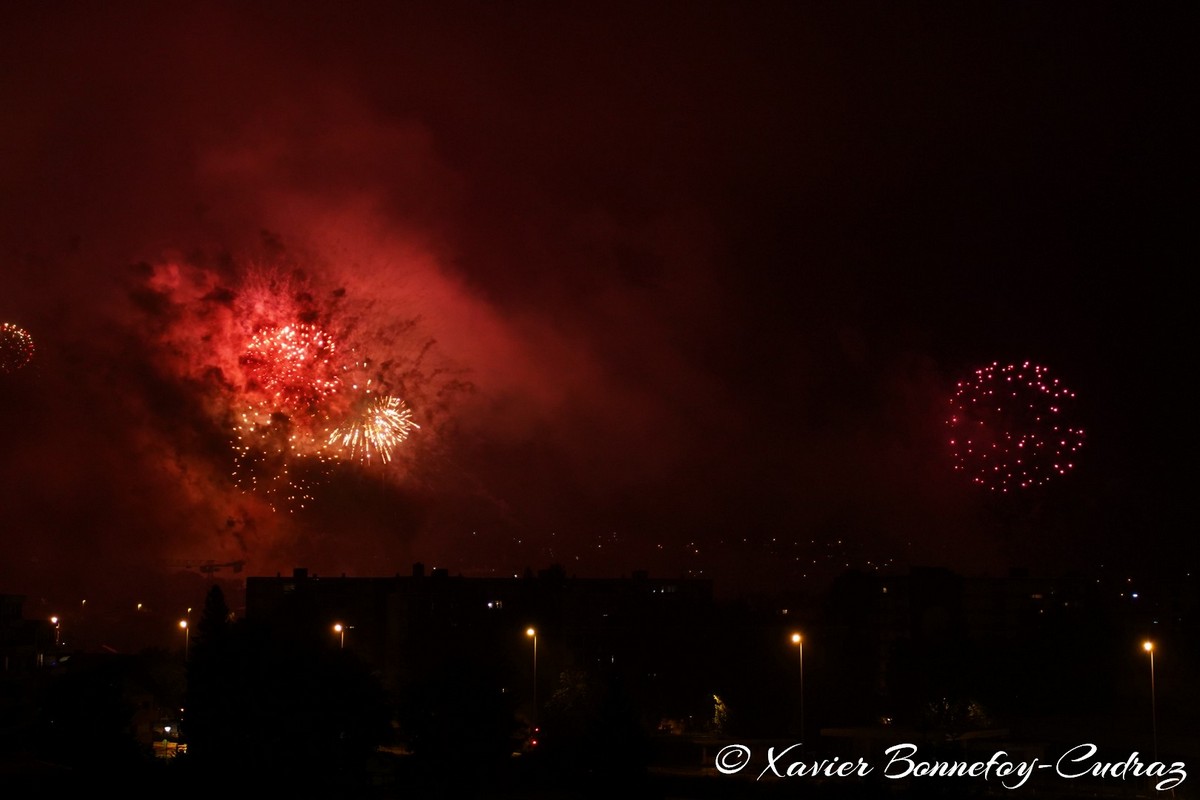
[382, 424]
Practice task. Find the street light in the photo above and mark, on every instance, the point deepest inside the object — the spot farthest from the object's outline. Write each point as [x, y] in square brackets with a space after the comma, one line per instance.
[798, 641]
[340, 630]
[1148, 646]
[57, 630]
[187, 635]
[532, 633]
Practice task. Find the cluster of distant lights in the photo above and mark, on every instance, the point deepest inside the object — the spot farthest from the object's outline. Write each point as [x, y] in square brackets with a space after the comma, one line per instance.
[16, 347]
[839, 553]
[795, 637]
[286, 440]
[1011, 427]
[804, 558]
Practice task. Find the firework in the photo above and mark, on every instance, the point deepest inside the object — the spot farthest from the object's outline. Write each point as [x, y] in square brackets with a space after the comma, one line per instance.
[1011, 427]
[375, 430]
[16, 347]
[293, 364]
[298, 372]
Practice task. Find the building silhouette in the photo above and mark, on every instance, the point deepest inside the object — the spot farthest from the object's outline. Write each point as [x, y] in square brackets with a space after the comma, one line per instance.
[406, 625]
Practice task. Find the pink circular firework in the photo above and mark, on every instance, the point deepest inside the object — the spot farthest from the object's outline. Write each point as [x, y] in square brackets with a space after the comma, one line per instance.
[293, 364]
[1011, 428]
[16, 347]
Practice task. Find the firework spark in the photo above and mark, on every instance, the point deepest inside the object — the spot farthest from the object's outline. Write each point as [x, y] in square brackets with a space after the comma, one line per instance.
[16, 347]
[275, 458]
[293, 364]
[1011, 427]
[375, 431]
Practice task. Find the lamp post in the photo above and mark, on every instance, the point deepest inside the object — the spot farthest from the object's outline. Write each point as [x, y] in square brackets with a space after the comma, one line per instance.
[532, 633]
[187, 635]
[1148, 646]
[798, 641]
[340, 630]
[57, 630]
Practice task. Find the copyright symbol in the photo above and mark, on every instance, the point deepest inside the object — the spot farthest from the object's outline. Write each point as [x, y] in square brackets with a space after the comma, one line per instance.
[732, 758]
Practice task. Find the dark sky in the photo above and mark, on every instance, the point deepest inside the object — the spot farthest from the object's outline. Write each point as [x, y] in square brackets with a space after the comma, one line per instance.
[672, 286]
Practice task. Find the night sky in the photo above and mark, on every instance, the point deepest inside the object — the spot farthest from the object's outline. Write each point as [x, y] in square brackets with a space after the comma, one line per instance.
[683, 287]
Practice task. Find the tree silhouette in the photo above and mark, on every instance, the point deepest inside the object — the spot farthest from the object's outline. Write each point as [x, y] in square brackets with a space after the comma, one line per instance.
[592, 731]
[207, 700]
[279, 705]
[458, 713]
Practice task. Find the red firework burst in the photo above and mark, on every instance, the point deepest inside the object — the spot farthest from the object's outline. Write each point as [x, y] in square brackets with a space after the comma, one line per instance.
[1011, 427]
[294, 364]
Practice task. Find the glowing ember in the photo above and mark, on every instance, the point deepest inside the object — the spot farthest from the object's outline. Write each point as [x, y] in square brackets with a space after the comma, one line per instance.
[1011, 427]
[274, 458]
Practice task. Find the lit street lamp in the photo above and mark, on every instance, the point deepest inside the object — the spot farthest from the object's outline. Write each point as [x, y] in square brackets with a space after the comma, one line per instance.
[187, 635]
[1148, 646]
[57, 630]
[798, 641]
[532, 633]
[340, 630]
